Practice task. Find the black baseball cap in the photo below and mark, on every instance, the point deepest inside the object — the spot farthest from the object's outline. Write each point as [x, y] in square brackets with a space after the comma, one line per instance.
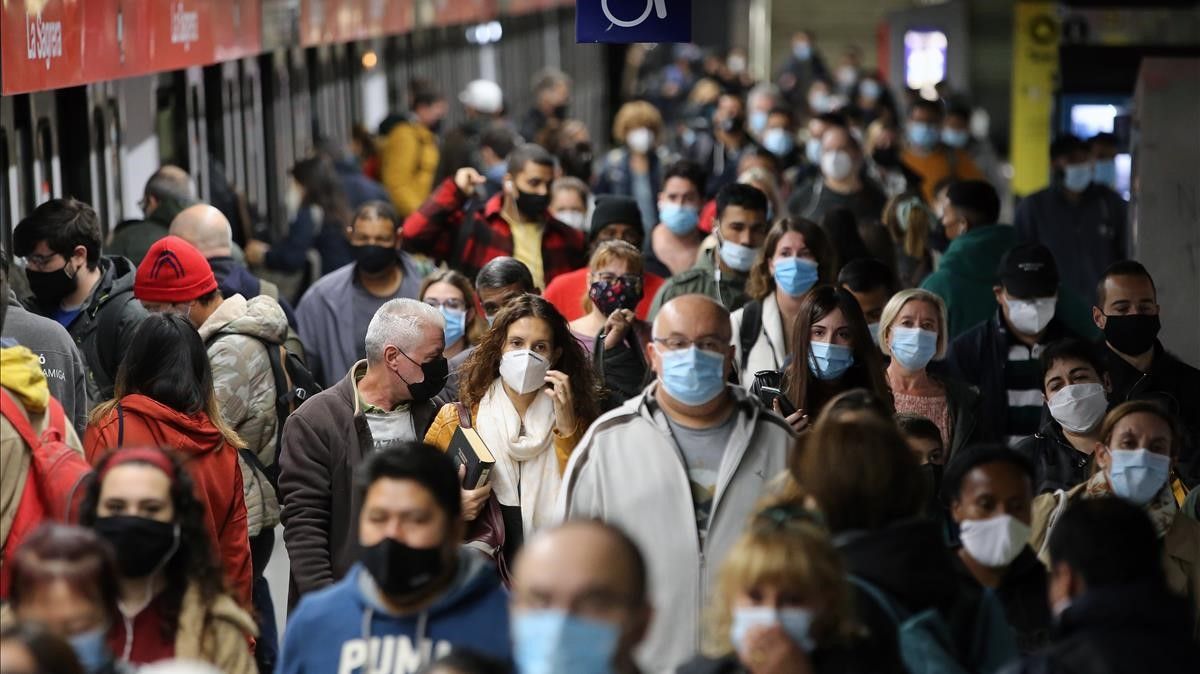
[1028, 271]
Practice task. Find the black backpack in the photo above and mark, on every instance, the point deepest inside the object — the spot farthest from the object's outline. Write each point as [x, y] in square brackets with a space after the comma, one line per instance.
[751, 326]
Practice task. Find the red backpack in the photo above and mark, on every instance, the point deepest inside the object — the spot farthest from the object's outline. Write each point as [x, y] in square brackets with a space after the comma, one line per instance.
[56, 472]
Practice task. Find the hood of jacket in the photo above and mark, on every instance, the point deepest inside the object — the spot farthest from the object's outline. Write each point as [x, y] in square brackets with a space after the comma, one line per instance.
[976, 254]
[259, 317]
[190, 434]
[21, 374]
[908, 560]
[117, 277]
[473, 579]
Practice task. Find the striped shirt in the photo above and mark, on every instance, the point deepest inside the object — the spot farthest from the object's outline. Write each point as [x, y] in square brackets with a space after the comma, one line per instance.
[1023, 384]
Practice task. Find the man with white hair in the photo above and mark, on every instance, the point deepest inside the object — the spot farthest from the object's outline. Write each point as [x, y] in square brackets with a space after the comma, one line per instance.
[383, 402]
[207, 228]
[679, 468]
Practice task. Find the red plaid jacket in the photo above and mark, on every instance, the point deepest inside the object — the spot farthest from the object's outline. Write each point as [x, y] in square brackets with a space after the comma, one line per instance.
[466, 239]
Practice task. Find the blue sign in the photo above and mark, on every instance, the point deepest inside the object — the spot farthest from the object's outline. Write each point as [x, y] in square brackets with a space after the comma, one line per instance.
[628, 21]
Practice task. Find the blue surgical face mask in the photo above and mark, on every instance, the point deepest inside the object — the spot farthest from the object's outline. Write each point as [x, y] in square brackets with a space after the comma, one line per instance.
[796, 624]
[758, 122]
[922, 135]
[1137, 475]
[873, 328]
[812, 150]
[955, 137]
[1105, 173]
[870, 89]
[495, 173]
[829, 361]
[913, 348]
[456, 324]
[778, 141]
[738, 257]
[1076, 177]
[802, 51]
[795, 275]
[91, 648]
[551, 641]
[680, 220]
[692, 376]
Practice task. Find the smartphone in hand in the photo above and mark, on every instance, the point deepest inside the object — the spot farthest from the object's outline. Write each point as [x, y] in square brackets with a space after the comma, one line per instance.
[769, 394]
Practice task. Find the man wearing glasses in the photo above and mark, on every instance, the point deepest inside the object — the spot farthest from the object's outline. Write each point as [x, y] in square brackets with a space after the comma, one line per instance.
[679, 468]
[333, 315]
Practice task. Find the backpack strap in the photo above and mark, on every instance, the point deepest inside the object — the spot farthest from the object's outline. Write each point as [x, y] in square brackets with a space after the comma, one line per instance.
[110, 311]
[894, 611]
[464, 415]
[11, 409]
[120, 426]
[750, 329]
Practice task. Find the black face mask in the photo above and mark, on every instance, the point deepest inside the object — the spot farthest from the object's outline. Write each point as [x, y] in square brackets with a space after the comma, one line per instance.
[374, 259]
[1132, 334]
[435, 372]
[532, 206]
[734, 125]
[142, 545]
[50, 287]
[931, 474]
[577, 162]
[886, 156]
[400, 570]
[559, 111]
[436, 127]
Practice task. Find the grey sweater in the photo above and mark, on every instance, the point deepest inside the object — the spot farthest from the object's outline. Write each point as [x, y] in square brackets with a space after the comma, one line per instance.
[60, 358]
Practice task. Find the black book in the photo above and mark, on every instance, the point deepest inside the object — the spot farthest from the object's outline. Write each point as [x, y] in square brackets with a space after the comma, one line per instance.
[467, 449]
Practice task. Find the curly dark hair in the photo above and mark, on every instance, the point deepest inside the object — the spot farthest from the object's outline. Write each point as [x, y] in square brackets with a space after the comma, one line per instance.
[483, 365]
[194, 562]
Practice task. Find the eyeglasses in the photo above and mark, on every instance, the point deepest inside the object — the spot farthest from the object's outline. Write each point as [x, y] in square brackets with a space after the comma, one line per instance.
[453, 305]
[609, 277]
[39, 261]
[710, 344]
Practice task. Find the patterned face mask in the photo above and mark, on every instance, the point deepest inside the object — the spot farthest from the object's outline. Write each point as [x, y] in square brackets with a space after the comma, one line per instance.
[610, 296]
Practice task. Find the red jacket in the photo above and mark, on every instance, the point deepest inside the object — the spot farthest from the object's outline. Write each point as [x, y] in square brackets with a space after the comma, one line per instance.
[210, 460]
[467, 240]
[566, 293]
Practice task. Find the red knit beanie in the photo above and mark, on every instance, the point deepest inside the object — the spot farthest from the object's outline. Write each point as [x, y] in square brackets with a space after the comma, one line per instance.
[173, 271]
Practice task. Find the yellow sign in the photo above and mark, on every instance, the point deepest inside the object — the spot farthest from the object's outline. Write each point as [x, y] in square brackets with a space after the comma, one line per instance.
[1035, 69]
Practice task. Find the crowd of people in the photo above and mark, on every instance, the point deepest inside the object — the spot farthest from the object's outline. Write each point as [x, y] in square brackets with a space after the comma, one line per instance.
[767, 387]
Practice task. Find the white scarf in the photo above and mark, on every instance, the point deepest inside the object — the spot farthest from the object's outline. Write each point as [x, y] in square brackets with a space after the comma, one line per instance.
[526, 472]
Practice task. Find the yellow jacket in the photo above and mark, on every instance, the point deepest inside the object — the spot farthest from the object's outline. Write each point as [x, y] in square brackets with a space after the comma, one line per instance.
[447, 422]
[408, 159]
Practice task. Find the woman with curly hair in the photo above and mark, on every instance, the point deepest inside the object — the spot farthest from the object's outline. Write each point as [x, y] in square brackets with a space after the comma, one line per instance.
[172, 597]
[530, 393]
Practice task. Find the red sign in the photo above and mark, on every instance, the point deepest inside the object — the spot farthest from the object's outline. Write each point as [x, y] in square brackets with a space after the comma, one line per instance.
[106, 32]
[42, 47]
[318, 22]
[237, 28]
[180, 34]
[452, 12]
[399, 16]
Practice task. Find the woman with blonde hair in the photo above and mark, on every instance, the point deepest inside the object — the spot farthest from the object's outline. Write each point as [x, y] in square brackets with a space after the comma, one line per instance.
[783, 603]
[635, 168]
[913, 332]
[164, 397]
[909, 221]
[451, 293]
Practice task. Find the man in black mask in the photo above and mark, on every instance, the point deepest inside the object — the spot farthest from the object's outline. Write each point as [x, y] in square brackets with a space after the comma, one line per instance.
[551, 101]
[1127, 312]
[333, 315]
[413, 596]
[89, 294]
[719, 153]
[384, 402]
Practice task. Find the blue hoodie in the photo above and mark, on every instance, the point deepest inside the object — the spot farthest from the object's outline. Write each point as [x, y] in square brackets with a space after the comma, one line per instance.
[345, 629]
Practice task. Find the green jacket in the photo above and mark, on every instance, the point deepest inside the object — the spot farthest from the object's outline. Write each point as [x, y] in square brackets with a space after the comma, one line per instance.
[132, 238]
[968, 272]
[701, 279]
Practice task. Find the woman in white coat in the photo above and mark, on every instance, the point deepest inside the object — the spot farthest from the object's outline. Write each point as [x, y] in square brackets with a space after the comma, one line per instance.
[795, 257]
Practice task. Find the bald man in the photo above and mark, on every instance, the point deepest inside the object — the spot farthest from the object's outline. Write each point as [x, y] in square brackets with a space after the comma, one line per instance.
[207, 228]
[679, 468]
[168, 191]
[585, 575]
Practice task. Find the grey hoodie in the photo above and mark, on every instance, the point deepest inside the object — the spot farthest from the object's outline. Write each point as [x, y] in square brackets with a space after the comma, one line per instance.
[60, 359]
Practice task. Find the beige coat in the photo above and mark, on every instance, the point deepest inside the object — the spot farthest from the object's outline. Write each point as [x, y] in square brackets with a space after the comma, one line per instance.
[218, 633]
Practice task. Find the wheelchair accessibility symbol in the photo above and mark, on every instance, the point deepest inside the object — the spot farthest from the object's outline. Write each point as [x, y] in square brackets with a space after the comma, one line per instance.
[659, 7]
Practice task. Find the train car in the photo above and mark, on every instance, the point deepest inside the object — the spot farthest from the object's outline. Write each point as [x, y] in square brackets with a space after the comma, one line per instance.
[97, 95]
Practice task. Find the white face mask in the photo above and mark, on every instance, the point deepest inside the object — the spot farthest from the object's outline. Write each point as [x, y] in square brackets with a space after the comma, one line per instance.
[837, 165]
[524, 371]
[640, 140]
[996, 541]
[1079, 407]
[573, 219]
[1030, 317]
[293, 200]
